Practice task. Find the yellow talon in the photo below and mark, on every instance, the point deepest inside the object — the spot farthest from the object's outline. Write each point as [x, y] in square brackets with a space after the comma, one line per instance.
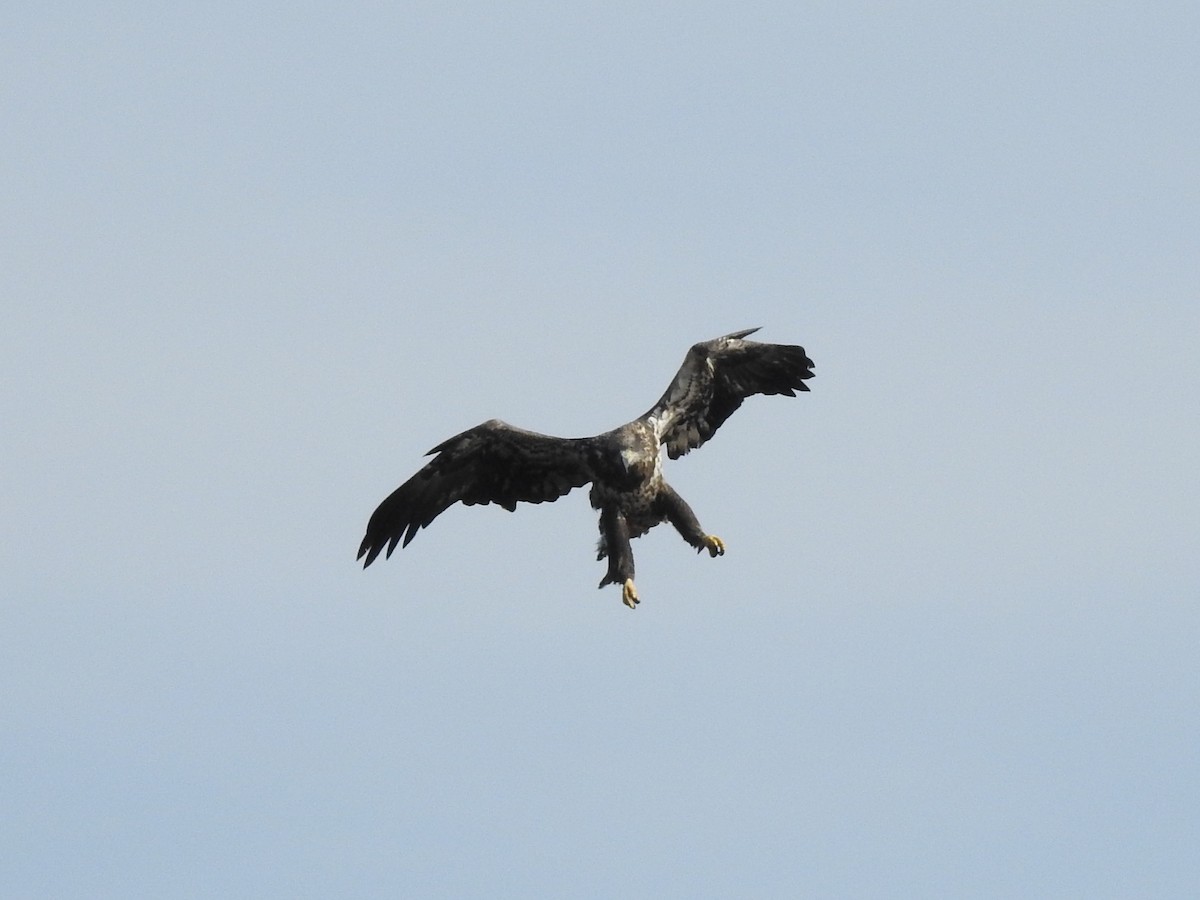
[629, 594]
[716, 546]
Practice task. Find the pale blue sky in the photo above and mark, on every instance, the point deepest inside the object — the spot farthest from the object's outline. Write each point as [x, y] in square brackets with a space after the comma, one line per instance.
[256, 261]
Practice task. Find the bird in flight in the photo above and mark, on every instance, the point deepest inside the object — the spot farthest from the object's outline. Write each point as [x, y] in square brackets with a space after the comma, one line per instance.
[498, 463]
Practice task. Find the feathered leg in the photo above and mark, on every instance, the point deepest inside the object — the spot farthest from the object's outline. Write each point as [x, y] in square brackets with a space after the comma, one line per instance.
[680, 515]
[615, 530]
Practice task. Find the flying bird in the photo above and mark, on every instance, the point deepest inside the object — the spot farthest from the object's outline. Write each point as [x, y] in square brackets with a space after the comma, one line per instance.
[498, 463]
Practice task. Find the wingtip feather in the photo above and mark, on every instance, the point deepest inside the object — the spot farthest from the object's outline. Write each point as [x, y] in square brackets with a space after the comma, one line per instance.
[369, 551]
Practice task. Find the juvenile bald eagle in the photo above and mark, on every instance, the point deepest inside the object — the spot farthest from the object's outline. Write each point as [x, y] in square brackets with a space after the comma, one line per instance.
[497, 463]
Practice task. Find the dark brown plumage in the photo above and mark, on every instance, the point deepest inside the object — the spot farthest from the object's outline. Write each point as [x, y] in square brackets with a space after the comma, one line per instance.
[497, 463]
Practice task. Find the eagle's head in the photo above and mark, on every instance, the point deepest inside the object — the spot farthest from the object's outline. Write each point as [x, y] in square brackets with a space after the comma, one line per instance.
[638, 453]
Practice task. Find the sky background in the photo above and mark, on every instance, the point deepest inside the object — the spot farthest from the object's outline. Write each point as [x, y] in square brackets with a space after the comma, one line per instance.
[256, 260]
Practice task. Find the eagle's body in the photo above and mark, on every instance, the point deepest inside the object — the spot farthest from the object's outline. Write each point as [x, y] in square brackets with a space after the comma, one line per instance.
[497, 463]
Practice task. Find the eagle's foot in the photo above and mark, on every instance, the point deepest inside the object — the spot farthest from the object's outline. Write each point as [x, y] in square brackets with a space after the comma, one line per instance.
[714, 545]
[629, 594]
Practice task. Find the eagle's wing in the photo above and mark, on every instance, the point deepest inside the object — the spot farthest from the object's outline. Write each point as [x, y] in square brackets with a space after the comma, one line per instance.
[490, 463]
[716, 376]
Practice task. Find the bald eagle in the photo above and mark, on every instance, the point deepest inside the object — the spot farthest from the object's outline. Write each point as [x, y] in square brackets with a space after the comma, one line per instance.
[497, 463]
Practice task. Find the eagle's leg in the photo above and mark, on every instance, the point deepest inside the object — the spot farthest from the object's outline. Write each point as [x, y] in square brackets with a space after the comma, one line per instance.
[680, 515]
[620, 555]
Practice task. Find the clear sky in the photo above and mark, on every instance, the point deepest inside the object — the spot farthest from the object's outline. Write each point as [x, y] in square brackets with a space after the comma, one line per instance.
[257, 259]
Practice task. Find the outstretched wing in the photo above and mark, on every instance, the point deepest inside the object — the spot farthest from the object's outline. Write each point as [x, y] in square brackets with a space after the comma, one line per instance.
[716, 376]
[490, 463]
